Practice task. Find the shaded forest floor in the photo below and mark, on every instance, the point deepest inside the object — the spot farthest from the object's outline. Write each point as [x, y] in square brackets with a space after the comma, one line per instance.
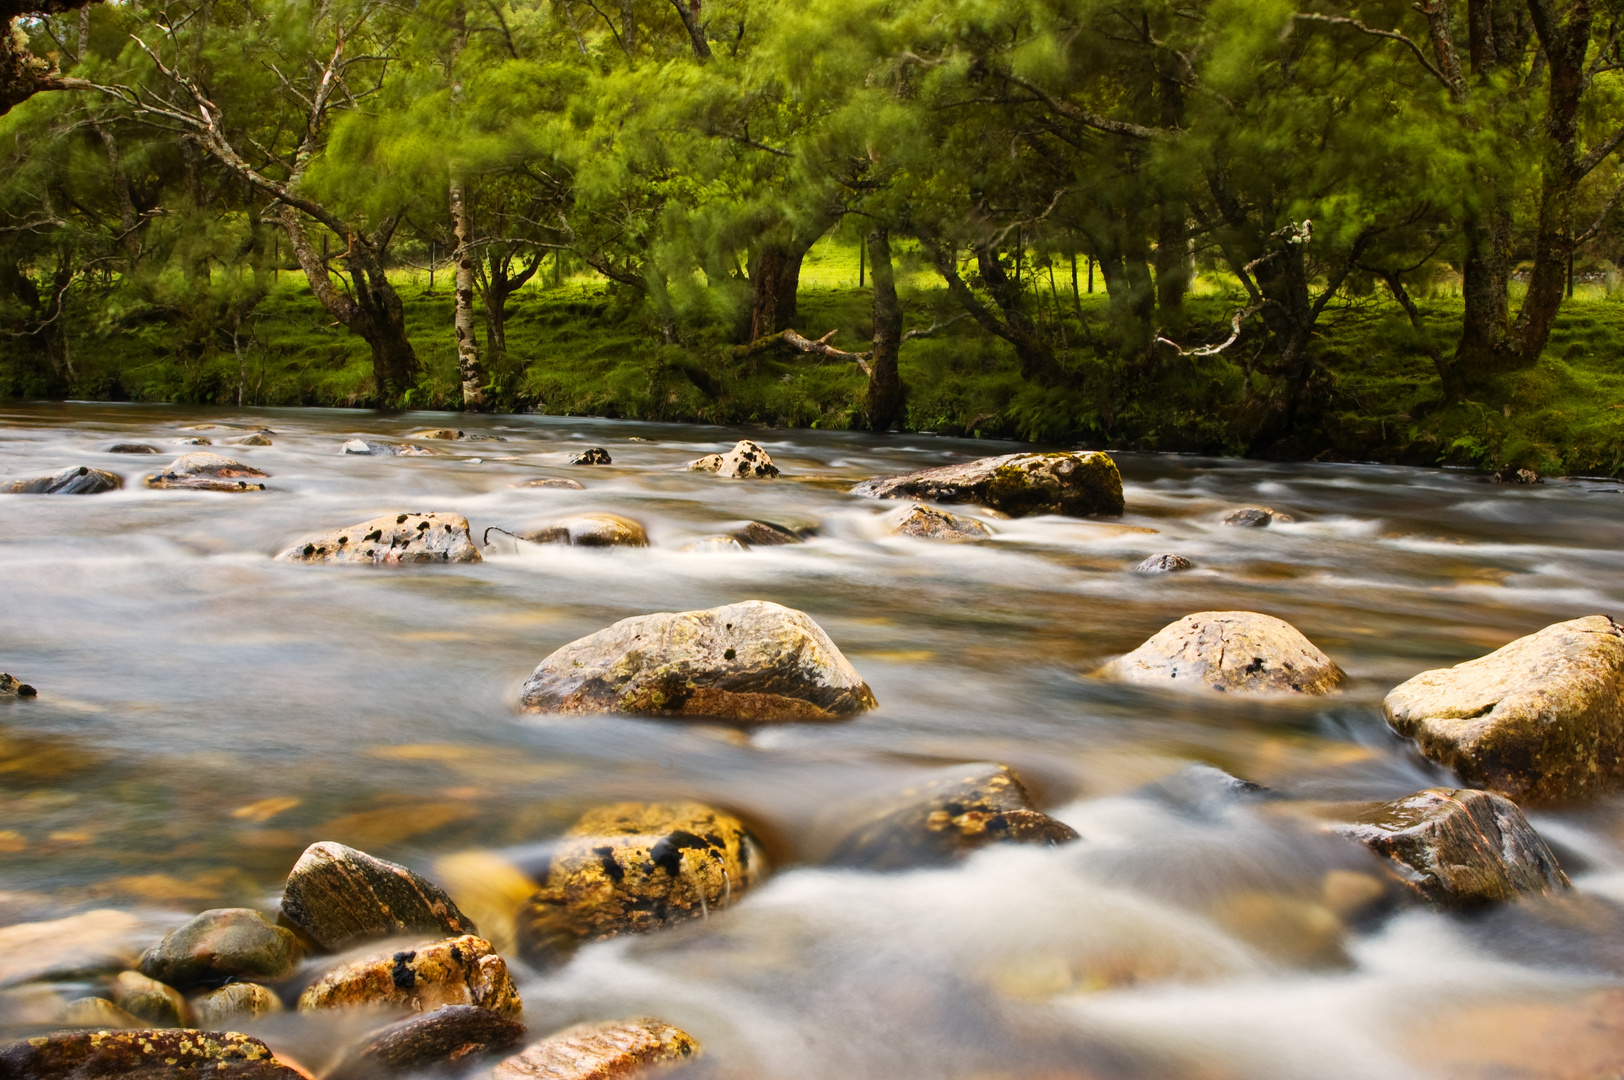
[574, 348]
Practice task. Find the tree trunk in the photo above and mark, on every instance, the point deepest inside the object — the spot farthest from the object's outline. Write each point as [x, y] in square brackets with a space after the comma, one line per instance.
[469, 369]
[688, 12]
[884, 382]
[1033, 355]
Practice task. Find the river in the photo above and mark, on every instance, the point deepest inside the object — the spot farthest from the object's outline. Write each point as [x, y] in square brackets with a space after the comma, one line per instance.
[204, 713]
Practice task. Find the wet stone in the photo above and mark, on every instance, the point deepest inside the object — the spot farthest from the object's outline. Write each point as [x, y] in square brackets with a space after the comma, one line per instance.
[384, 449]
[391, 539]
[1541, 718]
[452, 1034]
[457, 971]
[1163, 564]
[196, 440]
[713, 544]
[336, 895]
[207, 472]
[765, 534]
[133, 448]
[144, 1054]
[74, 480]
[619, 1050]
[945, 816]
[708, 463]
[1236, 651]
[754, 662]
[1460, 848]
[12, 687]
[220, 944]
[631, 868]
[555, 482]
[233, 1005]
[97, 1012]
[256, 439]
[92, 942]
[444, 433]
[149, 999]
[1078, 484]
[928, 523]
[596, 455]
[746, 461]
[1252, 517]
[590, 530]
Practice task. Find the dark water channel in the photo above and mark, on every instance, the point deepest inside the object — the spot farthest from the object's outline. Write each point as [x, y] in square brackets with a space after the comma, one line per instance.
[205, 713]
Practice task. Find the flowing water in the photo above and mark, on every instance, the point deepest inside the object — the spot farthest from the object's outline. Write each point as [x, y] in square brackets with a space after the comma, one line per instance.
[204, 713]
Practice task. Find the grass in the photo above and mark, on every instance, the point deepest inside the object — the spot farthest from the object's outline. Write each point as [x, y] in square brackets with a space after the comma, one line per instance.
[577, 347]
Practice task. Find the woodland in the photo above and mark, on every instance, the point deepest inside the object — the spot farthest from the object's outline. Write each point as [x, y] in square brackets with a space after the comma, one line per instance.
[1373, 229]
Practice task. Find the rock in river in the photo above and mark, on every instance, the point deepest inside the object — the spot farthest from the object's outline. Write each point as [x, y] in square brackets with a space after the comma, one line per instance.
[97, 1012]
[590, 530]
[336, 895]
[1079, 484]
[132, 448]
[752, 661]
[366, 446]
[928, 523]
[12, 687]
[151, 1000]
[746, 461]
[1541, 718]
[944, 816]
[1163, 564]
[202, 471]
[220, 944]
[145, 1054]
[258, 438]
[1251, 517]
[1460, 848]
[621, 1050]
[1239, 651]
[456, 971]
[713, 545]
[595, 455]
[233, 1005]
[555, 482]
[74, 480]
[448, 1035]
[635, 867]
[393, 538]
[765, 534]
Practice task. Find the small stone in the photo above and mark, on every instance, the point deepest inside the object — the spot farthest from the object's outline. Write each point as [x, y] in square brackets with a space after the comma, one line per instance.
[132, 448]
[219, 944]
[927, 523]
[97, 941]
[11, 687]
[336, 894]
[149, 999]
[1460, 848]
[233, 1005]
[196, 440]
[1252, 517]
[1079, 484]
[365, 446]
[206, 472]
[596, 455]
[456, 971]
[1510, 475]
[391, 539]
[74, 480]
[1541, 718]
[746, 461]
[712, 545]
[622, 1050]
[708, 463]
[1237, 651]
[631, 868]
[146, 1054]
[590, 530]
[256, 439]
[765, 534]
[945, 816]
[444, 433]
[753, 661]
[449, 1034]
[1163, 564]
[555, 482]
[95, 1012]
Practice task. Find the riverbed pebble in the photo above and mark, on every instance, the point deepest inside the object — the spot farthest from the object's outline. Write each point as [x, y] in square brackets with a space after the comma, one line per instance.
[392, 539]
[589, 530]
[1166, 563]
[233, 1005]
[74, 480]
[1251, 517]
[620, 1050]
[336, 895]
[202, 471]
[456, 971]
[1237, 651]
[145, 1054]
[751, 661]
[153, 1001]
[219, 944]
[1074, 483]
[449, 1035]
[595, 455]
[630, 868]
[928, 523]
[1541, 718]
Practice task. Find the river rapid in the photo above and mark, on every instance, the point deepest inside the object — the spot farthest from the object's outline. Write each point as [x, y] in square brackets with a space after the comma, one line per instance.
[204, 713]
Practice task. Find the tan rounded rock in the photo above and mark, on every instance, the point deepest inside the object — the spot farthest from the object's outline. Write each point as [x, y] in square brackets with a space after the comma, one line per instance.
[74, 480]
[202, 471]
[928, 523]
[445, 433]
[258, 438]
[336, 895]
[746, 461]
[709, 463]
[234, 1004]
[458, 971]
[1236, 651]
[149, 999]
[765, 534]
[620, 1050]
[391, 539]
[1079, 484]
[95, 1012]
[751, 661]
[590, 530]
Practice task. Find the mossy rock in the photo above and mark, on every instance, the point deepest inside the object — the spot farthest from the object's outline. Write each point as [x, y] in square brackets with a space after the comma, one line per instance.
[1079, 484]
[220, 944]
[143, 1053]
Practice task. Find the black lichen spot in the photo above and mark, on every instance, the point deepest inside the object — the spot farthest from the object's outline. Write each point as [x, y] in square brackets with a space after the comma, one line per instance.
[730, 655]
[421, 525]
[309, 550]
[83, 471]
[400, 520]
[456, 955]
[448, 527]
[342, 540]
[1255, 666]
[405, 978]
[667, 854]
[375, 534]
[613, 869]
[997, 823]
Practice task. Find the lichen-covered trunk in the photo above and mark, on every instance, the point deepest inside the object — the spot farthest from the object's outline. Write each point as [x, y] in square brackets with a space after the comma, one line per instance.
[469, 369]
[884, 381]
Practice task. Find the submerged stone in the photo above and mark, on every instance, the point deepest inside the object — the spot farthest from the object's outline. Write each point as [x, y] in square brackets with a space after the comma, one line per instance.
[132, 448]
[385, 449]
[206, 472]
[1078, 484]
[621, 1050]
[1251, 517]
[220, 944]
[765, 534]
[928, 523]
[92, 942]
[97, 1012]
[451, 1034]
[1163, 564]
[12, 687]
[146, 1054]
[1238, 651]
[635, 867]
[751, 661]
[258, 438]
[595, 455]
[392, 539]
[336, 894]
[555, 482]
[234, 1004]
[74, 480]
[1541, 718]
[712, 545]
[456, 971]
[590, 530]
[151, 1000]
[445, 433]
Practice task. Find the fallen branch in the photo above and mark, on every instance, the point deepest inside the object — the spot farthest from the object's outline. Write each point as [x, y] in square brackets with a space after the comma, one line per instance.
[1213, 350]
[933, 328]
[795, 342]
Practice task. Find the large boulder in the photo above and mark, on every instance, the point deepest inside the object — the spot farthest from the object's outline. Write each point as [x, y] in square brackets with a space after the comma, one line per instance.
[945, 816]
[74, 480]
[202, 471]
[221, 944]
[928, 523]
[458, 971]
[142, 1055]
[589, 530]
[1459, 848]
[449, 1034]
[1237, 651]
[1541, 718]
[393, 538]
[634, 867]
[336, 895]
[752, 661]
[620, 1050]
[1079, 484]
[746, 461]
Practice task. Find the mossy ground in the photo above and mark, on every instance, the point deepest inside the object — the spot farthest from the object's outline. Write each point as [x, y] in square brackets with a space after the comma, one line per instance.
[578, 348]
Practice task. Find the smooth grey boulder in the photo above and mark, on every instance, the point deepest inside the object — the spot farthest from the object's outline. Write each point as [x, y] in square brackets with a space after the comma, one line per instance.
[1163, 564]
[336, 895]
[1541, 718]
[393, 539]
[1236, 651]
[74, 480]
[928, 523]
[219, 944]
[751, 661]
[1075, 483]
[1459, 848]
[203, 471]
